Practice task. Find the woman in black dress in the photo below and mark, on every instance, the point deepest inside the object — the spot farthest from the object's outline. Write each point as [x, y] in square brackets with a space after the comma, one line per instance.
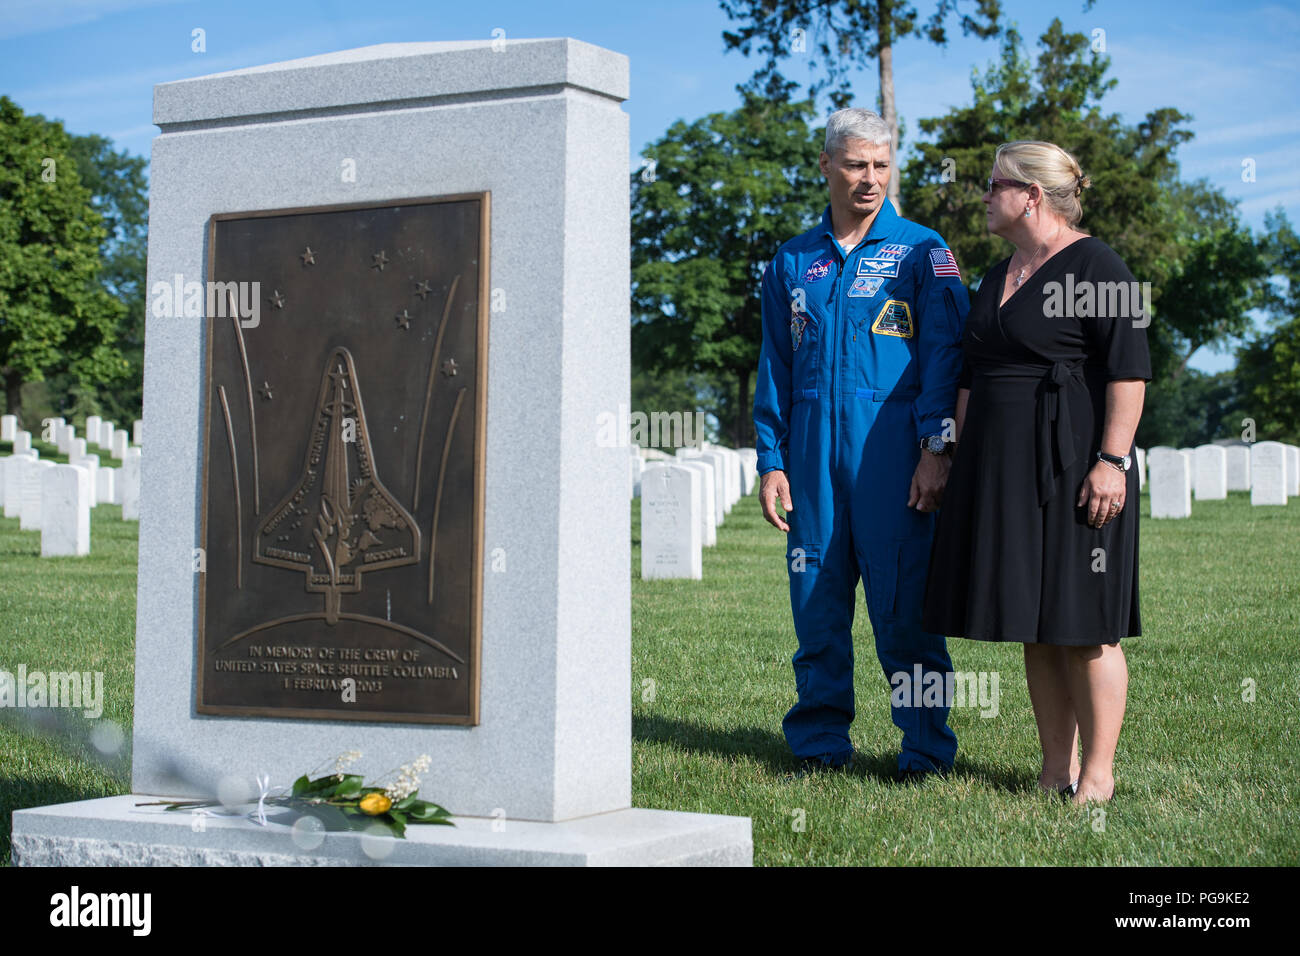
[1037, 539]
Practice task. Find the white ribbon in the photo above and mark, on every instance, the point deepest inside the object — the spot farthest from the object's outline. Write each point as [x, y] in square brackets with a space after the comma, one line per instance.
[263, 784]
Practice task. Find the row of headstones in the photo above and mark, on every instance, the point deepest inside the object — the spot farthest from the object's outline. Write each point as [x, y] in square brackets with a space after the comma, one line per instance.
[684, 499]
[1269, 470]
[100, 433]
[56, 499]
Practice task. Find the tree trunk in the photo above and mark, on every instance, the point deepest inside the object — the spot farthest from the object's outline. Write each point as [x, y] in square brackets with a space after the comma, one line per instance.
[740, 438]
[1182, 366]
[884, 30]
[14, 395]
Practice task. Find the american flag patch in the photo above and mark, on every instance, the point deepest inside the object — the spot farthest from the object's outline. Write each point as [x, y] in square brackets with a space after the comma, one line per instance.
[943, 263]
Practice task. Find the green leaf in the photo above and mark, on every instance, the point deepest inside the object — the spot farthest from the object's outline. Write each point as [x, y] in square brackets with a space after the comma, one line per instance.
[424, 812]
[301, 785]
[351, 787]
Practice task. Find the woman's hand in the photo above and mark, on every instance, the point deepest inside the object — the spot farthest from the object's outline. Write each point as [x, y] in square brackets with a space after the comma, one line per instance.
[1103, 492]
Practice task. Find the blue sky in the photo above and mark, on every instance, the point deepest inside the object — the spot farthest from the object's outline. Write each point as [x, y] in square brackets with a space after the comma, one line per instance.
[1234, 67]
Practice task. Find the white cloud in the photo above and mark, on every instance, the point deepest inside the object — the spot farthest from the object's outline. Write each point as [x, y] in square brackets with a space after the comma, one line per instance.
[24, 17]
[1287, 125]
[1258, 205]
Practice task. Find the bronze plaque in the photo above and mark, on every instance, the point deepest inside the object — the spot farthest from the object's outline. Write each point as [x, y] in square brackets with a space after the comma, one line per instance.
[342, 529]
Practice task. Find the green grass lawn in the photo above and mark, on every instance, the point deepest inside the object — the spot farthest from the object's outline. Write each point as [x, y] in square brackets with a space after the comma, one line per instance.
[1203, 776]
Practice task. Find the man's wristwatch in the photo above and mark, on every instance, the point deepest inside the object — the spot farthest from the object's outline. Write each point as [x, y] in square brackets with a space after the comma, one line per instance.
[1123, 464]
[935, 445]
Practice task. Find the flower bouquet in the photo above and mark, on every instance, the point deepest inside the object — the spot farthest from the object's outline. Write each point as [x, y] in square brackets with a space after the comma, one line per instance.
[343, 801]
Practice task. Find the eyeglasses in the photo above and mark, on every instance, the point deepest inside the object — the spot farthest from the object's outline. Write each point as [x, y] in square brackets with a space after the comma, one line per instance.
[1011, 183]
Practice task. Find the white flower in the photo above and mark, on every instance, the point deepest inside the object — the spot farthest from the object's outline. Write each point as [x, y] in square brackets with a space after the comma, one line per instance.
[408, 778]
[345, 760]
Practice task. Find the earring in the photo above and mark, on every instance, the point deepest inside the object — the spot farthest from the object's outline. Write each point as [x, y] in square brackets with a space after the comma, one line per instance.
[1026, 212]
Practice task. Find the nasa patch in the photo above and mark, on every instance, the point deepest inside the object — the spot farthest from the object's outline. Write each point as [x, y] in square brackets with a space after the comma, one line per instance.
[864, 287]
[878, 267]
[895, 318]
[797, 325]
[818, 270]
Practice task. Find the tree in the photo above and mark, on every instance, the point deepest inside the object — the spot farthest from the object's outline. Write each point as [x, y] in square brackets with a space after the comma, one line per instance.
[1183, 238]
[55, 316]
[1268, 366]
[720, 196]
[848, 34]
[1188, 411]
[119, 191]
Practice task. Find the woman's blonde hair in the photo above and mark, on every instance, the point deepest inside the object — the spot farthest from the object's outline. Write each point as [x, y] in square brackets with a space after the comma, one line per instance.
[1054, 170]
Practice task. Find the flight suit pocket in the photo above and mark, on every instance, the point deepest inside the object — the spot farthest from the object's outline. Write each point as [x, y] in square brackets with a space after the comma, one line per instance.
[911, 567]
[884, 568]
[805, 339]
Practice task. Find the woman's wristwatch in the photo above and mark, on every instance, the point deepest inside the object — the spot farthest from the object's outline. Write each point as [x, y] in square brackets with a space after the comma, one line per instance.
[1116, 462]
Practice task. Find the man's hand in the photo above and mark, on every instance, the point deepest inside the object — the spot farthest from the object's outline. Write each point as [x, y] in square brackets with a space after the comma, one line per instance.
[775, 485]
[928, 482]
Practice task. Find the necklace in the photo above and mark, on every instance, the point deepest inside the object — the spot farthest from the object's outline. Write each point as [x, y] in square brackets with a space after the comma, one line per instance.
[1043, 248]
[1025, 268]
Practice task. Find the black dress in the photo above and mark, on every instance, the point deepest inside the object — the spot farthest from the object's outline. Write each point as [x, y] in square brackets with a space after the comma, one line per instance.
[1014, 559]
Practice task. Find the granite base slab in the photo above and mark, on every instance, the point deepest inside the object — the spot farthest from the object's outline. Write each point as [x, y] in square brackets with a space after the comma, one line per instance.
[114, 831]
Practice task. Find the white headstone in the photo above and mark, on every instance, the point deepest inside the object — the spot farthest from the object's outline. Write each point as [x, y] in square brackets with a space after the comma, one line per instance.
[65, 511]
[76, 449]
[104, 491]
[654, 454]
[92, 430]
[130, 483]
[708, 502]
[106, 435]
[1171, 483]
[120, 443]
[735, 488]
[1268, 473]
[1211, 479]
[91, 464]
[117, 485]
[1292, 470]
[637, 466]
[1238, 467]
[30, 519]
[137, 432]
[15, 475]
[22, 442]
[670, 525]
[749, 461]
[8, 427]
[64, 435]
[719, 496]
[719, 461]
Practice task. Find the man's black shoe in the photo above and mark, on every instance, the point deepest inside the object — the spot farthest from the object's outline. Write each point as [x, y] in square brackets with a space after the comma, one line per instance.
[811, 766]
[918, 776]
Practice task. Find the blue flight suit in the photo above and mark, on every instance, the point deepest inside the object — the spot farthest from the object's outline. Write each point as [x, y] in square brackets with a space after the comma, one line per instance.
[860, 359]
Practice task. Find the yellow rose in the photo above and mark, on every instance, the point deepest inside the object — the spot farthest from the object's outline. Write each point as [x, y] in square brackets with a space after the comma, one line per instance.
[375, 804]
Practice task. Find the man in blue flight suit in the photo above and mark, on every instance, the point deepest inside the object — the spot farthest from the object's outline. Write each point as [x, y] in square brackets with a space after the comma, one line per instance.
[853, 407]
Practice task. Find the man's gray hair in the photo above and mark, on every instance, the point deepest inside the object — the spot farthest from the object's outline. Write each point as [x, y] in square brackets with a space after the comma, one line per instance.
[855, 124]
